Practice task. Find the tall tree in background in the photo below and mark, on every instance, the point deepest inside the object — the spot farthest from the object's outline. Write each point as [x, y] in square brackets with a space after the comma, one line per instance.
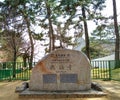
[57, 19]
[69, 11]
[90, 14]
[13, 44]
[116, 31]
[86, 33]
[11, 30]
[50, 32]
[28, 24]
[18, 16]
[49, 15]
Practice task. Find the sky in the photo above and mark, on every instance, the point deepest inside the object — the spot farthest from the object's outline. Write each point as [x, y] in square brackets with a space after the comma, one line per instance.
[109, 8]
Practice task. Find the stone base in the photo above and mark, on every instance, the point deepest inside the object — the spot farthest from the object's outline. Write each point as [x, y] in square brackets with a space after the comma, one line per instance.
[62, 94]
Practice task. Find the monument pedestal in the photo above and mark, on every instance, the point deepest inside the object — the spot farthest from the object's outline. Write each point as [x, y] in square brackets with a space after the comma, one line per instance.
[62, 94]
[62, 73]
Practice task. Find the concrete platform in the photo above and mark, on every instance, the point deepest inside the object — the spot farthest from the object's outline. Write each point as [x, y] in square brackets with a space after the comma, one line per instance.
[61, 94]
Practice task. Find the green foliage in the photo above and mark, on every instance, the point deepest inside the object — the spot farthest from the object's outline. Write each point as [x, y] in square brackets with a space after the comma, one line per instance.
[19, 59]
[104, 33]
[99, 32]
[96, 49]
[38, 36]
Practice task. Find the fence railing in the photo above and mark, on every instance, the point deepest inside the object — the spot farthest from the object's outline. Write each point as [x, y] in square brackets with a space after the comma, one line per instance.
[106, 70]
[101, 70]
[21, 72]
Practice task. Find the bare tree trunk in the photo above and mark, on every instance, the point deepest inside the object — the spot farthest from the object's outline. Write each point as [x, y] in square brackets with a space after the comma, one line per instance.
[25, 57]
[51, 34]
[13, 44]
[32, 46]
[14, 64]
[116, 32]
[31, 42]
[86, 33]
[30, 37]
[60, 35]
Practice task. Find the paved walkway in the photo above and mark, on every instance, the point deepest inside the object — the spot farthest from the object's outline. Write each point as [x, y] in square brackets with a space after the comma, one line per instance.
[112, 87]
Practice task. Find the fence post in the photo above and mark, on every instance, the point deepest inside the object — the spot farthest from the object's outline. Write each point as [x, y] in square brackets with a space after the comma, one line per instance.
[110, 74]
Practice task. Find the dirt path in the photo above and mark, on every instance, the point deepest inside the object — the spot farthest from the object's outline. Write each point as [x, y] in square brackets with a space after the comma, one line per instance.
[7, 92]
[112, 88]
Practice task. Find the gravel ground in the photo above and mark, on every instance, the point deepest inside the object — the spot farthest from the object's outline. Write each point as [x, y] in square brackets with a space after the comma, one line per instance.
[7, 92]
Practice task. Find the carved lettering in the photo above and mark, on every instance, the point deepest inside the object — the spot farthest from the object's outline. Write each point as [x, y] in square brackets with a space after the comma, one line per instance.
[52, 67]
[61, 67]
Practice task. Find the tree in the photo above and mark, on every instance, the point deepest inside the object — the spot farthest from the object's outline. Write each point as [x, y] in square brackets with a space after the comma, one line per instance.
[47, 15]
[25, 9]
[51, 34]
[17, 18]
[104, 33]
[85, 7]
[117, 44]
[12, 44]
[25, 52]
[86, 32]
[102, 40]
[51, 12]
[11, 30]
[27, 20]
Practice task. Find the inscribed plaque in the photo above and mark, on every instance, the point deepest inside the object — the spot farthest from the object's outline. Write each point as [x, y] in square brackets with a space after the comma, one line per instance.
[49, 78]
[68, 78]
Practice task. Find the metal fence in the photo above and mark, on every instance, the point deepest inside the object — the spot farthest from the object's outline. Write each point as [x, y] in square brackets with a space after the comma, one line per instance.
[106, 70]
[21, 72]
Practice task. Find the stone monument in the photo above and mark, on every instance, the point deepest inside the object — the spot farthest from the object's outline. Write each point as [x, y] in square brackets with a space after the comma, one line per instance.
[61, 70]
[62, 73]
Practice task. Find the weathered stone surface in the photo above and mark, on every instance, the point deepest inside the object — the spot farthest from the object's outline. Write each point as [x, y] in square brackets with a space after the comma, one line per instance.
[60, 70]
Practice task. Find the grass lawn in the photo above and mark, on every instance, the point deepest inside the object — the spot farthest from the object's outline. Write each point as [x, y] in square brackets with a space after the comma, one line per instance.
[116, 74]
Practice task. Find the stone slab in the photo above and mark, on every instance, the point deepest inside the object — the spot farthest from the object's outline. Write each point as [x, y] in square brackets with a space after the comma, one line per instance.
[60, 94]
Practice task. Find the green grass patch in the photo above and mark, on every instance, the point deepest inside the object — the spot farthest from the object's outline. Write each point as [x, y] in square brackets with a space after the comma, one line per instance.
[115, 73]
